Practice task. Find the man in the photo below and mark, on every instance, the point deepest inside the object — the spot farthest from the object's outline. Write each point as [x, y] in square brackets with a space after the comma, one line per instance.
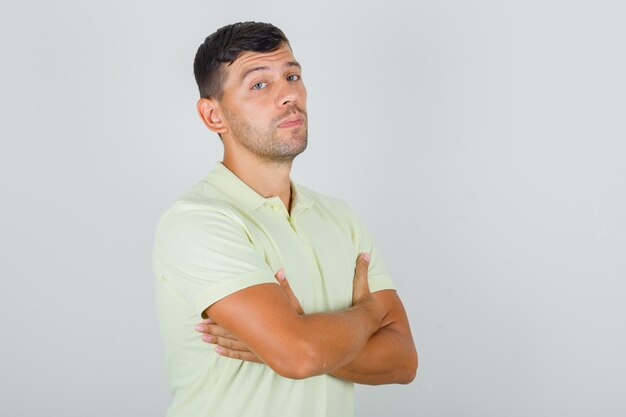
[292, 349]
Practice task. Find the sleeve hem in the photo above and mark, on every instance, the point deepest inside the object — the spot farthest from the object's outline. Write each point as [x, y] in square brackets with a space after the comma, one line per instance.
[204, 300]
[381, 282]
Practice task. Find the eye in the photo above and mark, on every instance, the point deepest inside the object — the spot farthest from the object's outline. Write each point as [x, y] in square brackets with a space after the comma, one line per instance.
[293, 77]
[259, 86]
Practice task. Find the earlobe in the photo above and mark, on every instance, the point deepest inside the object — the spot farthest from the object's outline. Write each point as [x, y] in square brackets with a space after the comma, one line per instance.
[208, 110]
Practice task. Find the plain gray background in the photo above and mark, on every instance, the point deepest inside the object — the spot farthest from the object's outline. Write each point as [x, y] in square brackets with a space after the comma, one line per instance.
[481, 141]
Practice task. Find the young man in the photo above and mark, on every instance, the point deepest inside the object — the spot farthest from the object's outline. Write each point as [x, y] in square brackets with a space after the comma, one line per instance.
[292, 349]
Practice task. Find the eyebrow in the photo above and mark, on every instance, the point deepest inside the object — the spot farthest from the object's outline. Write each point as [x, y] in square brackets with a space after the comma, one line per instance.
[253, 69]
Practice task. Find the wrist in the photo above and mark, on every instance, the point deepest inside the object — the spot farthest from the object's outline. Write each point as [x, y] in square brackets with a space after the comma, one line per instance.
[374, 312]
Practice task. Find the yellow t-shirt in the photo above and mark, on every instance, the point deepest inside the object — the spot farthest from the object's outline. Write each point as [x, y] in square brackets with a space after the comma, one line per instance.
[222, 236]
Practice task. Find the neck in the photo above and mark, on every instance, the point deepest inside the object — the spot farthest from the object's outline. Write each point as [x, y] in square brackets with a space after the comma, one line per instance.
[269, 179]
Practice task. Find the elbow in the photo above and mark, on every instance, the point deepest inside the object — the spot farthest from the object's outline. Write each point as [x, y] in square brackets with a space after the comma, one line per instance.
[300, 363]
[409, 371]
[294, 370]
[407, 376]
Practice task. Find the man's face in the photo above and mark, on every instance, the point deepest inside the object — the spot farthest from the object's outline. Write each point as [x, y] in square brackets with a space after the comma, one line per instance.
[264, 104]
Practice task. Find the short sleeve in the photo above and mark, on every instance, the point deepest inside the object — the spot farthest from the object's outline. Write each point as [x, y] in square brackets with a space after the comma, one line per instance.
[204, 254]
[378, 275]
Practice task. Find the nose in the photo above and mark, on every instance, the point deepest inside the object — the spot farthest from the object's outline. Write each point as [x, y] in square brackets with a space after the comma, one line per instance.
[289, 93]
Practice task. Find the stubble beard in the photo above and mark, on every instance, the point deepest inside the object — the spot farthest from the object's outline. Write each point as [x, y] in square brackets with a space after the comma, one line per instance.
[268, 144]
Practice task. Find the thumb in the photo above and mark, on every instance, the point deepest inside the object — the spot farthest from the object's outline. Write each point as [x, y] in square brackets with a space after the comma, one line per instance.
[293, 300]
[360, 286]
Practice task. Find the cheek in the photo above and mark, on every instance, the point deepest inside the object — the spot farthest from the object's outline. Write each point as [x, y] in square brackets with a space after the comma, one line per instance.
[253, 113]
[259, 118]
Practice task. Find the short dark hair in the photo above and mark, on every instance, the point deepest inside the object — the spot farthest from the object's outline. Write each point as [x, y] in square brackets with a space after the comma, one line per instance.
[225, 45]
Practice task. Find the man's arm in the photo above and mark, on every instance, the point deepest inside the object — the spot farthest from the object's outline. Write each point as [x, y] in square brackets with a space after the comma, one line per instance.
[388, 357]
[300, 346]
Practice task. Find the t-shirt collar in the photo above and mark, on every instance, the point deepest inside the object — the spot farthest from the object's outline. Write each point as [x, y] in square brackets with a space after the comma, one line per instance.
[248, 199]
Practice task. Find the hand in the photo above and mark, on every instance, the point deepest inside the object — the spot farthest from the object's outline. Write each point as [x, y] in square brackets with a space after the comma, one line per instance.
[230, 346]
[227, 344]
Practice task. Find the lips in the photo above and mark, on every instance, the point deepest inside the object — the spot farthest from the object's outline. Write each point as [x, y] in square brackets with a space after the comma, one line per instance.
[292, 121]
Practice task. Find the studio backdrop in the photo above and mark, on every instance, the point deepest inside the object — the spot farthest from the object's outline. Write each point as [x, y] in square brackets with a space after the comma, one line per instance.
[482, 143]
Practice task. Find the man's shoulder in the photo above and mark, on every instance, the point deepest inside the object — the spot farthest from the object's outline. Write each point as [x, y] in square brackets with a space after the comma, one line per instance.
[200, 203]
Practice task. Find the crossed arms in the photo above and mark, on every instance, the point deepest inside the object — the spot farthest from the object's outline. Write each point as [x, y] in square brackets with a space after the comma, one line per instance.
[368, 343]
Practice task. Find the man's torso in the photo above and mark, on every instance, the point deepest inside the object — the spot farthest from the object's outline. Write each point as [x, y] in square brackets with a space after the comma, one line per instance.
[317, 245]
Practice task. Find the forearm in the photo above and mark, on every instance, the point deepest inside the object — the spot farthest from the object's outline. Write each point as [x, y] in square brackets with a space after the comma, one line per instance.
[388, 357]
[294, 345]
[265, 323]
[325, 342]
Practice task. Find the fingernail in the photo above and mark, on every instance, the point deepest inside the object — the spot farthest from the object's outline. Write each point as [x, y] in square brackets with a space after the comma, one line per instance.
[366, 257]
[219, 349]
[199, 328]
[281, 274]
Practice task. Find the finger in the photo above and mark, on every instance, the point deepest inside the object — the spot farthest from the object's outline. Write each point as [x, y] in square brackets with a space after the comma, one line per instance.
[214, 329]
[235, 354]
[360, 286]
[232, 344]
[284, 283]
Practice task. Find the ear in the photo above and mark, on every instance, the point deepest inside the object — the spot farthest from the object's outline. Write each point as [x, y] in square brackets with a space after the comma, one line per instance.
[209, 112]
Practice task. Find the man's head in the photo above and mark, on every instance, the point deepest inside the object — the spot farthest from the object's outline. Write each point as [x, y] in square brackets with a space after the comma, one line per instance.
[251, 91]
[224, 46]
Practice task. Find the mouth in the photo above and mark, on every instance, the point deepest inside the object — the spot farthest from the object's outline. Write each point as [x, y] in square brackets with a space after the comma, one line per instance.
[293, 121]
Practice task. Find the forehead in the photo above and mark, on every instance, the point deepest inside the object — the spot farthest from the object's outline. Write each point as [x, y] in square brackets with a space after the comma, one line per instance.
[250, 59]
